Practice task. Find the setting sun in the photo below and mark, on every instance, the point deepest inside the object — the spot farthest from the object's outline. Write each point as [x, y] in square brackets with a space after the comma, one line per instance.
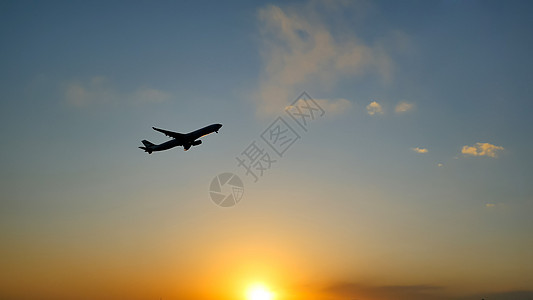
[259, 292]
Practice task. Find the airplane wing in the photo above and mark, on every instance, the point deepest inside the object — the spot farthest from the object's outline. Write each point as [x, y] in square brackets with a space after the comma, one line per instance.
[171, 134]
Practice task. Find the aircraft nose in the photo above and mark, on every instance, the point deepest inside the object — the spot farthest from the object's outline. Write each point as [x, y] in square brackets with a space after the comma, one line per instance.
[219, 126]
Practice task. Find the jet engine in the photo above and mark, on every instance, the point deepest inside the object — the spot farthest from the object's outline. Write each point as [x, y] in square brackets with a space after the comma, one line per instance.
[196, 143]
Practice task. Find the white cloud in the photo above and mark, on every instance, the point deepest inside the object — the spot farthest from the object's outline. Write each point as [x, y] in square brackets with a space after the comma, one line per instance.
[99, 91]
[420, 150]
[299, 50]
[374, 108]
[482, 149]
[403, 107]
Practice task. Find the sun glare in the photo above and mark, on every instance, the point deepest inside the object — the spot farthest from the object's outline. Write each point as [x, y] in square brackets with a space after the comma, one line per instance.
[259, 292]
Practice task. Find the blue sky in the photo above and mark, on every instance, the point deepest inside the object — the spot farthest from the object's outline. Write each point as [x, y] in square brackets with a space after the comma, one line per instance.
[415, 182]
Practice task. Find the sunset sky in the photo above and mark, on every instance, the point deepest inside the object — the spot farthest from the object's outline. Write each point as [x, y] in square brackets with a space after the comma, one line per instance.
[414, 183]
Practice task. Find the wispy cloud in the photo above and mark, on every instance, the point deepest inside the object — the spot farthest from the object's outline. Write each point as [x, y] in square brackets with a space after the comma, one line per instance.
[299, 49]
[403, 107]
[374, 108]
[95, 90]
[482, 149]
[99, 91]
[148, 95]
[420, 150]
[335, 106]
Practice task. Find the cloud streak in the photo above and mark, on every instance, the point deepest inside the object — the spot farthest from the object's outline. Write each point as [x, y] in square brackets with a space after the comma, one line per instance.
[99, 91]
[417, 292]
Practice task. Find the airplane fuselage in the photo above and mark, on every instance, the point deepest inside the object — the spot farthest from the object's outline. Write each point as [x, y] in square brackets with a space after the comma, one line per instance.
[192, 136]
[167, 145]
[180, 139]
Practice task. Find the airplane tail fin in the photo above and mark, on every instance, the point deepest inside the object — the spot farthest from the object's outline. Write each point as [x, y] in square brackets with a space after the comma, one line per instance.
[147, 143]
[147, 146]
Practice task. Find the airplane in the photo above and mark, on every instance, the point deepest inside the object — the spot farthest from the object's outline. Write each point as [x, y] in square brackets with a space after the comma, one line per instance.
[180, 139]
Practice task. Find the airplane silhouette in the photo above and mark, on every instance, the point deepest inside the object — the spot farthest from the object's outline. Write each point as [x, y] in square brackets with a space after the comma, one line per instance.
[180, 139]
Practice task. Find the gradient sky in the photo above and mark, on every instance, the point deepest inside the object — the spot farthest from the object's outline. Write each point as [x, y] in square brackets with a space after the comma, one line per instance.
[415, 184]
